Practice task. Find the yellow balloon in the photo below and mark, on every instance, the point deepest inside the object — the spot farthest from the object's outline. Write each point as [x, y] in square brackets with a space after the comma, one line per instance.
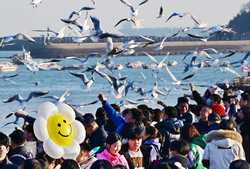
[60, 130]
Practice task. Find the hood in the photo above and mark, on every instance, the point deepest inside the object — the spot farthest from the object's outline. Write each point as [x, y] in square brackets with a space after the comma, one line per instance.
[217, 135]
[224, 143]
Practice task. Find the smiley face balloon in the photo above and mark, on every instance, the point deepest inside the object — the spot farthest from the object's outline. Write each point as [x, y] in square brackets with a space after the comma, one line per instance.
[60, 132]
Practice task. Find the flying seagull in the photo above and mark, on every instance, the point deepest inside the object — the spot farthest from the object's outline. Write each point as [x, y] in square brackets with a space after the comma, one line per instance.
[160, 12]
[20, 99]
[88, 83]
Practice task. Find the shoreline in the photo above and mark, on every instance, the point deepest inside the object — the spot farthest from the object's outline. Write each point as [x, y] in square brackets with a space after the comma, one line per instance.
[60, 50]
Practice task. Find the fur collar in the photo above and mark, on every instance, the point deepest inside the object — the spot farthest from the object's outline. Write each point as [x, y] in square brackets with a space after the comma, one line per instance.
[223, 134]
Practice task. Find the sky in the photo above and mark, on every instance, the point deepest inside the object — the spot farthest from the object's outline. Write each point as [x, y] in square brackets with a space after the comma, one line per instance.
[19, 16]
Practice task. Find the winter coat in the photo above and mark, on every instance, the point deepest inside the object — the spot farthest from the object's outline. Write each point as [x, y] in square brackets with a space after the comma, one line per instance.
[113, 159]
[223, 147]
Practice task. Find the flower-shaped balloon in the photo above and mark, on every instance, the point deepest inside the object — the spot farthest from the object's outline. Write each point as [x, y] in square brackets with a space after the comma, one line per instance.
[60, 132]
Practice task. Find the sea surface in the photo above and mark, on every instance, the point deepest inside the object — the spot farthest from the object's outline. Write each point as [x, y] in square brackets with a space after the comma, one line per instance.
[56, 82]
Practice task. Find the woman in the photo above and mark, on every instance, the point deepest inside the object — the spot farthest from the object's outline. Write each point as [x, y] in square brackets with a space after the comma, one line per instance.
[111, 152]
[196, 142]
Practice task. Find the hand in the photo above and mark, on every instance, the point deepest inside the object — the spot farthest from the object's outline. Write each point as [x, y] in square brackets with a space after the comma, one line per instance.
[19, 114]
[101, 97]
[192, 87]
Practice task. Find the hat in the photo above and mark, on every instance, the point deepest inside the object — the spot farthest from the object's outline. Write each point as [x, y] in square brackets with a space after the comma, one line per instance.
[219, 109]
[170, 111]
[213, 117]
[239, 164]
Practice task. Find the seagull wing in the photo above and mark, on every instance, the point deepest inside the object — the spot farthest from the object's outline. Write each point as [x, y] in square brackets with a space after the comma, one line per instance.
[82, 76]
[171, 75]
[146, 38]
[160, 12]
[13, 98]
[188, 77]
[96, 23]
[151, 57]
[143, 2]
[174, 14]
[22, 36]
[245, 57]
[86, 8]
[126, 3]
[122, 20]
[36, 94]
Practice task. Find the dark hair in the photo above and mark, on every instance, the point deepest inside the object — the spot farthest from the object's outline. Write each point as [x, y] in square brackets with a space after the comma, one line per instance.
[180, 146]
[152, 132]
[245, 96]
[157, 115]
[188, 132]
[112, 138]
[239, 164]
[182, 100]
[228, 124]
[4, 139]
[101, 164]
[69, 164]
[119, 166]
[88, 119]
[116, 107]
[100, 113]
[85, 146]
[32, 164]
[137, 114]
[213, 117]
[133, 130]
[170, 111]
[216, 98]
[17, 137]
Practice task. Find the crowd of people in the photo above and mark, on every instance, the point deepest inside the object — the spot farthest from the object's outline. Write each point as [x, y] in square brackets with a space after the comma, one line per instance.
[211, 133]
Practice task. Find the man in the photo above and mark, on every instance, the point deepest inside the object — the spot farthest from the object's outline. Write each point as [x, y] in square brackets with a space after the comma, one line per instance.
[183, 111]
[96, 136]
[202, 125]
[18, 154]
[4, 149]
[130, 115]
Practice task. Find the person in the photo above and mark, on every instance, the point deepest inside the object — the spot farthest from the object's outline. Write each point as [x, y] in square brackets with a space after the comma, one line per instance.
[179, 150]
[101, 164]
[93, 131]
[130, 116]
[84, 159]
[169, 129]
[244, 127]
[226, 144]
[69, 164]
[217, 106]
[197, 144]
[18, 153]
[214, 121]
[184, 113]
[137, 156]
[111, 152]
[4, 149]
[103, 121]
[31, 164]
[151, 139]
[239, 164]
[202, 125]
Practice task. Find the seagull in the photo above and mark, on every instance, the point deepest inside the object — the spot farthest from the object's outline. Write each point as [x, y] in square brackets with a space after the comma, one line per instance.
[126, 19]
[57, 99]
[188, 77]
[174, 14]
[202, 38]
[134, 11]
[19, 36]
[88, 83]
[85, 104]
[34, 3]
[7, 77]
[72, 22]
[231, 53]
[82, 61]
[159, 64]
[160, 12]
[20, 99]
[177, 82]
[156, 92]
[20, 111]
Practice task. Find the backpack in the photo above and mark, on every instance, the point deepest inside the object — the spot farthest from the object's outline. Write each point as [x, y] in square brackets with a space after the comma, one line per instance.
[158, 159]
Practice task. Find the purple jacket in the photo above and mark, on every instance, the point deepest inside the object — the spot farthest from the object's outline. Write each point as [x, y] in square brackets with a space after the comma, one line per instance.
[113, 159]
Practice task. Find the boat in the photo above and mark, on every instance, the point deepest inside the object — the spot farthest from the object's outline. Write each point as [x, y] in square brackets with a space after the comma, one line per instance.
[7, 67]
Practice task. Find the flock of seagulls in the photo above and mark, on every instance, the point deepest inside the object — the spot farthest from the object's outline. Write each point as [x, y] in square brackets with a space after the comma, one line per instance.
[108, 71]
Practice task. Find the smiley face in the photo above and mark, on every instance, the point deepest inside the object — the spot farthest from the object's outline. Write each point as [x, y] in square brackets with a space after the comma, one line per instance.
[60, 130]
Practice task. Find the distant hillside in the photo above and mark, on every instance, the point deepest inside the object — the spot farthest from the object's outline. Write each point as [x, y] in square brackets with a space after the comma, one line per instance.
[241, 22]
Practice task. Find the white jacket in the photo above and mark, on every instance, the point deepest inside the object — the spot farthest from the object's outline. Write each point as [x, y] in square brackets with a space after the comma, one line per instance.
[224, 146]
